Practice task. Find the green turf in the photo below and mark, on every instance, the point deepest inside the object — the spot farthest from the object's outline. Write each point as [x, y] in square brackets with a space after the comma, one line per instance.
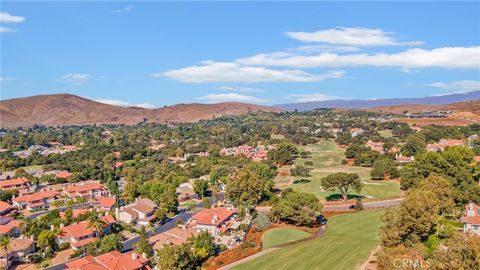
[347, 243]
[327, 157]
[386, 133]
[278, 236]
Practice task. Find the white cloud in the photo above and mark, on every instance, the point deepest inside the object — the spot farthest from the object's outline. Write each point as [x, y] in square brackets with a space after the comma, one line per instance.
[312, 97]
[3, 79]
[75, 78]
[240, 89]
[350, 36]
[125, 103]
[447, 57]
[457, 86]
[324, 48]
[230, 97]
[211, 71]
[6, 30]
[7, 18]
[122, 10]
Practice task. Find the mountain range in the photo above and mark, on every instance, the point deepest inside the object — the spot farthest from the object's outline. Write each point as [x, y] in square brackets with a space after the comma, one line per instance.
[67, 109]
[356, 104]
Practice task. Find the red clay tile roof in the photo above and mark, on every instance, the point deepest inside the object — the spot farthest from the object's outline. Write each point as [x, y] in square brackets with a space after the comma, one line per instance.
[111, 261]
[85, 187]
[473, 220]
[77, 230]
[63, 174]
[14, 182]
[108, 219]
[207, 216]
[37, 196]
[5, 229]
[106, 202]
[4, 206]
[84, 242]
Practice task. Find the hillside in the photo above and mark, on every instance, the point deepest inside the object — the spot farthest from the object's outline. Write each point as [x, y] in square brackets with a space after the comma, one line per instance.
[463, 113]
[66, 109]
[353, 104]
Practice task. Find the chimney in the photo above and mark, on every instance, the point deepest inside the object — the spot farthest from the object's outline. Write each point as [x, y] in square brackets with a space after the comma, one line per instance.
[144, 255]
[134, 255]
[32, 237]
[61, 225]
[52, 227]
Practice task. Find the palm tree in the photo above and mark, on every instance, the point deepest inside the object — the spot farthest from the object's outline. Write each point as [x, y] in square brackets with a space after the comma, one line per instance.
[46, 239]
[5, 243]
[96, 222]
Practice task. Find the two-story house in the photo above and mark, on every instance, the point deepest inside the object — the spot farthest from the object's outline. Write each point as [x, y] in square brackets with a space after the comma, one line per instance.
[140, 212]
[213, 220]
[471, 220]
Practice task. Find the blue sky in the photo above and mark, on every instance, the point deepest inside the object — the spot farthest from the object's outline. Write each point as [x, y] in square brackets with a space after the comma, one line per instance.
[153, 54]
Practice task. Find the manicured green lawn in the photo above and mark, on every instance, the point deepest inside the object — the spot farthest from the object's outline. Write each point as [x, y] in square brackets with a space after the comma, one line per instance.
[327, 157]
[386, 133]
[347, 243]
[278, 236]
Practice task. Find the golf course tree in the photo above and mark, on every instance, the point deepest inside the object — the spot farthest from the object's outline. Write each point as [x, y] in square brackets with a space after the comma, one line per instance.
[384, 167]
[296, 208]
[342, 182]
[284, 153]
[414, 144]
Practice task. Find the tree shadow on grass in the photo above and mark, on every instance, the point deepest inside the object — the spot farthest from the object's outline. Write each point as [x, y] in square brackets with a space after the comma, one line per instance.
[338, 197]
[301, 181]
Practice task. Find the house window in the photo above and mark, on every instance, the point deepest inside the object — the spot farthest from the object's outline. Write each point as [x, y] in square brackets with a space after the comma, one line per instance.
[478, 211]
[475, 227]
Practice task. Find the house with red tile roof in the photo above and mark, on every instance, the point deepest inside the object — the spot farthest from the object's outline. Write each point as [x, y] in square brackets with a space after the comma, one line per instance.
[113, 260]
[403, 159]
[87, 189]
[36, 201]
[76, 212]
[10, 226]
[444, 143]
[20, 184]
[119, 164]
[213, 220]
[175, 236]
[471, 220]
[77, 235]
[18, 249]
[356, 131]
[375, 146]
[63, 174]
[105, 203]
[5, 208]
[140, 212]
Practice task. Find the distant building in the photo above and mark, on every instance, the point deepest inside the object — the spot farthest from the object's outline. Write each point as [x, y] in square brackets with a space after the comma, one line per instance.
[403, 159]
[375, 146]
[356, 132]
[86, 190]
[471, 220]
[444, 143]
[5, 208]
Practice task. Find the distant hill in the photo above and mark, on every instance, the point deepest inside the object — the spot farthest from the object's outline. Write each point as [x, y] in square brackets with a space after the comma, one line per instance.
[356, 104]
[471, 106]
[66, 109]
